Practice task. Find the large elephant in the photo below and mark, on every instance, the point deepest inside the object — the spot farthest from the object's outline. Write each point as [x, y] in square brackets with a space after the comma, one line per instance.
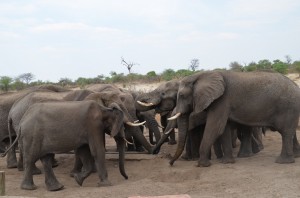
[20, 107]
[6, 102]
[125, 100]
[58, 127]
[256, 99]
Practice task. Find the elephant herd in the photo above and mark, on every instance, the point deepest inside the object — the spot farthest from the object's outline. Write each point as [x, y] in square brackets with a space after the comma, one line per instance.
[209, 109]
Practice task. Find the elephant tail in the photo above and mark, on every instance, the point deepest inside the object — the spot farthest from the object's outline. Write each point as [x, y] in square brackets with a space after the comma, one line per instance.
[12, 144]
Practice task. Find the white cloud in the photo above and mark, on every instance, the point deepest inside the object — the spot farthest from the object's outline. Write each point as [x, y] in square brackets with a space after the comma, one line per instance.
[54, 27]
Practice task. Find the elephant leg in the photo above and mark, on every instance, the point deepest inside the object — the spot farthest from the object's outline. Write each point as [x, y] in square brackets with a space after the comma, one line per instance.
[218, 148]
[246, 145]
[84, 155]
[257, 133]
[188, 148]
[51, 182]
[35, 170]
[172, 139]
[27, 183]
[286, 155]
[196, 137]
[296, 146]
[77, 165]
[215, 126]
[97, 149]
[12, 158]
[227, 146]
[233, 137]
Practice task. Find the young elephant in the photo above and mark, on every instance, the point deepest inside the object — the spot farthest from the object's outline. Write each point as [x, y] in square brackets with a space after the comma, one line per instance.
[59, 127]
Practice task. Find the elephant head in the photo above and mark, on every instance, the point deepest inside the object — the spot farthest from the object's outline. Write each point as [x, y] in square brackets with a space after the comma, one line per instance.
[163, 98]
[195, 94]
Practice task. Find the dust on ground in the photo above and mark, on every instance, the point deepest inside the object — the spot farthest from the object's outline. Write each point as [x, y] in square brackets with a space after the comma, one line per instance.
[256, 176]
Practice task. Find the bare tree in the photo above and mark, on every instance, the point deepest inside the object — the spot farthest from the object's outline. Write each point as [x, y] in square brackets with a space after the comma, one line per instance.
[27, 77]
[235, 66]
[288, 59]
[128, 65]
[194, 64]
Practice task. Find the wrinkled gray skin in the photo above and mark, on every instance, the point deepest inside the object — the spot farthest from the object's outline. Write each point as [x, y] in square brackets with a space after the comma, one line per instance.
[20, 107]
[163, 99]
[59, 127]
[149, 117]
[6, 102]
[253, 98]
[126, 102]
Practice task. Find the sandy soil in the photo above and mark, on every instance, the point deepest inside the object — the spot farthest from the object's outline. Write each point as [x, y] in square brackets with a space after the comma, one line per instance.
[256, 176]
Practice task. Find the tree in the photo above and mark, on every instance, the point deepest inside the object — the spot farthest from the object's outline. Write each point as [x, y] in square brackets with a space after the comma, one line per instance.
[280, 66]
[128, 65]
[251, 67]
[194, 64]
[288, 59]
[5, 82]
[264, 64]
[297, 66]
[235, 66]
[26, 77]
[168, 74]
[65, 81]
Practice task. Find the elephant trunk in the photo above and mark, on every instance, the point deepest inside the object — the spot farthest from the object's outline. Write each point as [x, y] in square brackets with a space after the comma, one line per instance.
[183, 125]
[121, 149]
[152, 125]
[171, 125]
[138, 135]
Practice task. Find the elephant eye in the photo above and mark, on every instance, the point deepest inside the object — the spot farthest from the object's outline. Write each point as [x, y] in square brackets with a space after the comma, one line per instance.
[163, 93]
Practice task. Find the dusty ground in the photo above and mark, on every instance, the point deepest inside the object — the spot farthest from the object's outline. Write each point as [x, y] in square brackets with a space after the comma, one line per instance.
[256, 176]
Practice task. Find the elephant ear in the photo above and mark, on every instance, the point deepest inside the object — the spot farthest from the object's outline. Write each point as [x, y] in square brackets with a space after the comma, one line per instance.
[118, 124]
[207, 88]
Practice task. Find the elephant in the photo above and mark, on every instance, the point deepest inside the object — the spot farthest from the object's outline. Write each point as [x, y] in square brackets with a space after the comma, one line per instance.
[59, 127]
[125, 100]
[149, 117]
[262, 99]
[20, 107]
[163, 100]
[6, 102]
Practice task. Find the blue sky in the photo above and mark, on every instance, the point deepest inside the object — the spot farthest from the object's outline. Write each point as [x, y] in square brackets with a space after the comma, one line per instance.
[55, 39]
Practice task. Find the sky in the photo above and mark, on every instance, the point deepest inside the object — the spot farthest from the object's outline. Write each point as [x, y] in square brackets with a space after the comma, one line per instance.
[54, 39]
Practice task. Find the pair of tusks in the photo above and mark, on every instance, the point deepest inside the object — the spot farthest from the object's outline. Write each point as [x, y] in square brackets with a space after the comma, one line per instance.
[175, 116]
[145, 104]
[135, 124]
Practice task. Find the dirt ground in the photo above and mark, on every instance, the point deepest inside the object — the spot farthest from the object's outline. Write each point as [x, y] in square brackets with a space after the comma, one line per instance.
[256, 176]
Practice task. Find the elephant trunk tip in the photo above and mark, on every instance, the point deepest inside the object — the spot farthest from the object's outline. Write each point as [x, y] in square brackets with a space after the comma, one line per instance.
[125, 176]
[171, 162]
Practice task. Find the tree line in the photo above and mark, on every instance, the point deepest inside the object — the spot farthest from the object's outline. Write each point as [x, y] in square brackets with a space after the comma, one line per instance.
[27, 79]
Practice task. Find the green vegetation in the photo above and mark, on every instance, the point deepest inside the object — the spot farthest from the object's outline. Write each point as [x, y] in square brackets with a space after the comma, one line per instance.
[26, 80]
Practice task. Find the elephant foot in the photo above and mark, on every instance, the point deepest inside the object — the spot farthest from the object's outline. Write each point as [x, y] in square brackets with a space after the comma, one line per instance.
[12, 165]
[296, 154]
[244, 154]
[73, 172]
[228, 160]
[186, 157]
[140, 149]
[54, 163]
[104, 183]
[172, 142]
[55, 187]
[285, 160]
[204, 163]
[26, 186]
[36, 171]
[78, 179]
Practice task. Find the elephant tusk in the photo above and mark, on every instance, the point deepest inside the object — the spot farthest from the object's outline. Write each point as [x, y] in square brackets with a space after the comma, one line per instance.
[175, 116]
[145, 104]
[135, 124]
[160, 126]
[127, 141]
[136, 121]
[169, 131]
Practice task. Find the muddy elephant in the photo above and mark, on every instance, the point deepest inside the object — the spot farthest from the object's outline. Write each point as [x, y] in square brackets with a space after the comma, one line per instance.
[254, 98]
[125, 100]
[59, 127]
[6, 102]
